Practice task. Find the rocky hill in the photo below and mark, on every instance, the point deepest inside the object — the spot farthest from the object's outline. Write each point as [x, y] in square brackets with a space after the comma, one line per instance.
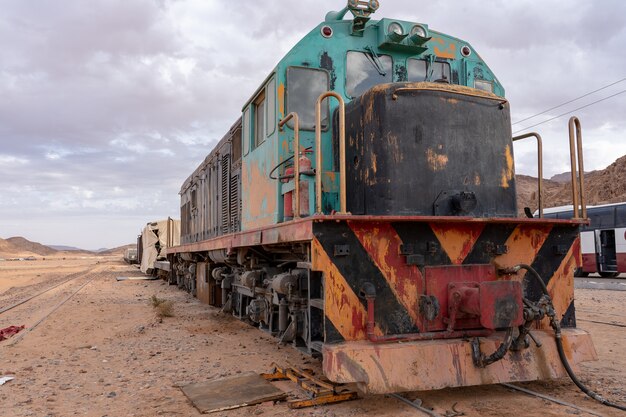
[604, 186]
[19, 247]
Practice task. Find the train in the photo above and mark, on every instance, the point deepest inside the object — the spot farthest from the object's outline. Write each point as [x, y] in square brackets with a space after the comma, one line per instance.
[602, 242]
[362, 209]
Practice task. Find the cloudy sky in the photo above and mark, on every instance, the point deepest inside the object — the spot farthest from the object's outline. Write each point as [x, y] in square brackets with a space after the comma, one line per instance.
[107, 105]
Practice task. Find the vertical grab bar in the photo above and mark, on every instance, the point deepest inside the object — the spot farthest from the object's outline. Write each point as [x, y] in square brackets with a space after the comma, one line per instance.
[539, 166]
[318, 152]
[296, 157]
[578, 179]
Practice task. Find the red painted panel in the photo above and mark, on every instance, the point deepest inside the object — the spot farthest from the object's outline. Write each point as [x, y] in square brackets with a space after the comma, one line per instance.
[437, 280]
[621, 262]
[589, 262]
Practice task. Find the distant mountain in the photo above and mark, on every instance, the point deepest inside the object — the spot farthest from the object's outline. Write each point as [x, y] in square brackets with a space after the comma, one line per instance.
[65, 248]
[118, 251]
[20, 244]
[604, 186]
[564, 177]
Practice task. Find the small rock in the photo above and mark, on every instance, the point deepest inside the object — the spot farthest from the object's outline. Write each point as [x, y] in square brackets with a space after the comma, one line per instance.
[112, 394]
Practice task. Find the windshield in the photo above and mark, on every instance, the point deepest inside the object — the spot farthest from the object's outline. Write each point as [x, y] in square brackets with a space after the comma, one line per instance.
[363, 72]
[304, 86]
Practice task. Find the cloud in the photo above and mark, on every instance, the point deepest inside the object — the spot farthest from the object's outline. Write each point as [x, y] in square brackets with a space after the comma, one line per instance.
[108, 105]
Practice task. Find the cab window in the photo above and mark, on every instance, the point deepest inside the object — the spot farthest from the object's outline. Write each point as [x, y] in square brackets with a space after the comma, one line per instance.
[259, 119]
[246, 131]
[418, 70]
[271, 107]
[364, 70]
[304, 86]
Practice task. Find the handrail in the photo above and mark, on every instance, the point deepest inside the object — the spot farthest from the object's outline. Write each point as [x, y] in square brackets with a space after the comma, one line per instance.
[578, 179]
[296, 157]
[539, 166]
[318, 152]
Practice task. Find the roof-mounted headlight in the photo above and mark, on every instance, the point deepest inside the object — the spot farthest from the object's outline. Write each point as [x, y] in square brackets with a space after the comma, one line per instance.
[395, 32]
[418, 35]
[418, 30]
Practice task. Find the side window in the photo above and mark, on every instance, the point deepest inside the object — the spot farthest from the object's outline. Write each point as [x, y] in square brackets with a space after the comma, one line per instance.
[271, 106]
[620, 216]
[363, 71]
[565, 215]
[246, 131]
[259, 119]
[304, 86]
[602, 218]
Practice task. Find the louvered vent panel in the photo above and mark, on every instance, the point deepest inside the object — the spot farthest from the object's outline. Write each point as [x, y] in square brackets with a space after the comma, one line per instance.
[225, 195]
[234, 204]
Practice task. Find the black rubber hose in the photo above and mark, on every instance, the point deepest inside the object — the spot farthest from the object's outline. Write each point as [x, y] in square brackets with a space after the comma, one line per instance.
[559, 346]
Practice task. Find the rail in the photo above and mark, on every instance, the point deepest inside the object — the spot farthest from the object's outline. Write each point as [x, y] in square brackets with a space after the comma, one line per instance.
[539, 166]
[296, 157]
[318, 152]
[578, 178]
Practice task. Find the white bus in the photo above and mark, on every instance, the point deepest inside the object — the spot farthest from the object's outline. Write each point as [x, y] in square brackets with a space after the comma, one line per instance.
[603, 242]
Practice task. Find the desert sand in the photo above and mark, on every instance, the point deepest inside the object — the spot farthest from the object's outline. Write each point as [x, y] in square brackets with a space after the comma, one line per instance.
[106, 353]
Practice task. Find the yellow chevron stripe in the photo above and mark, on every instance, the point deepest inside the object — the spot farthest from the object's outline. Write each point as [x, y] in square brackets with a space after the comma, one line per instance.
[341, 305]
[457, 240]
[523, 246]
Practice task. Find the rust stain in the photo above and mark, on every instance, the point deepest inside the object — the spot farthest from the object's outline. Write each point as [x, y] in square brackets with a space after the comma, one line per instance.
[436, 161]
[382, 243]
[281, 100]
[457, 240]
[374, 167]
[259, 193]
[369, 108]
[341, 305]
[507, 173]
[443, 51]
[477, 179]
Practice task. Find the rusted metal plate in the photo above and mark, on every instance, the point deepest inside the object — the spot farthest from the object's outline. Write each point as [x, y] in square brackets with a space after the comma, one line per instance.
[293, 231]
[232, 392]
[202, 283]
[501, 304]
[438, 279]
[432, 365]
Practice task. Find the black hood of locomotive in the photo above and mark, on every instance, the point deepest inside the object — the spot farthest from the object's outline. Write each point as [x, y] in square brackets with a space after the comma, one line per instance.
[429, 149]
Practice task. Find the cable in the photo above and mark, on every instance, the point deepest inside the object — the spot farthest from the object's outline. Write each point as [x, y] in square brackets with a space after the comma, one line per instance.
[559, 343]
[571, 111]
[571, 101]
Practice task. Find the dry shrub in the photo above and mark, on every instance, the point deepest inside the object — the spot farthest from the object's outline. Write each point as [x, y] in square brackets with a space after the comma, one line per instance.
[164, 308]
[156, 301]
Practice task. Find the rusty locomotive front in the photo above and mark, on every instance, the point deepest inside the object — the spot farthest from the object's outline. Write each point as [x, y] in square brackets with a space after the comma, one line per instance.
[363, 209]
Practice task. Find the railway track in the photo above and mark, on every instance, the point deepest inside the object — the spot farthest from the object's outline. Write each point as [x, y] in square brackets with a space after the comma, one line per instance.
[32, 310]
[568, 407]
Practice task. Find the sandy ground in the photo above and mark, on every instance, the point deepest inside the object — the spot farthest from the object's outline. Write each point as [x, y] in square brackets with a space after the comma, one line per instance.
[105, 353]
